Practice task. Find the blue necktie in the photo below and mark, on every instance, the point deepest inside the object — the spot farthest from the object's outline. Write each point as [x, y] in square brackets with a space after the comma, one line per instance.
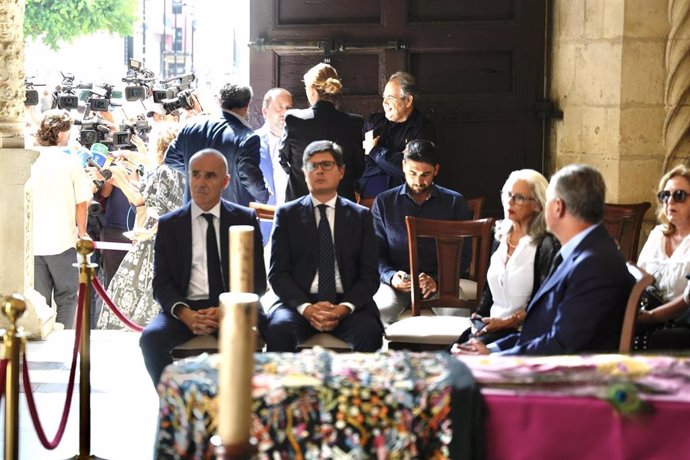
[326, 259]
[213, 269]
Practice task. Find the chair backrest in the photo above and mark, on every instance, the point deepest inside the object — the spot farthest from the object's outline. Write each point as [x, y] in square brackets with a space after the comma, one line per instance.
[449, 237]
[642, 280]
[475, 205]
[263, 211]
[624, 224]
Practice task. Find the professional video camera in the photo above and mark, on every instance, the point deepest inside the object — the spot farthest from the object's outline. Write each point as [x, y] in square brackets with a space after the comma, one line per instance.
[140, 81]
[31, 93]
[93, 130]
[65, 97]
[176, 93]
[123, 137]
[99, 101]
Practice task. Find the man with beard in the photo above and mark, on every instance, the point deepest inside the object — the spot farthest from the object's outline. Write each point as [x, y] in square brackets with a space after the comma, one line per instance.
[418, 197]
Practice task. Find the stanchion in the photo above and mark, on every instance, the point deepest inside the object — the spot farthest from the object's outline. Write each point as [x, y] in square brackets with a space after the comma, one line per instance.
[13, 307]
[85, 248]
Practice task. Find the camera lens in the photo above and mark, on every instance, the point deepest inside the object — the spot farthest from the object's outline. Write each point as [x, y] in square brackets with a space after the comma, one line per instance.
[95, 208]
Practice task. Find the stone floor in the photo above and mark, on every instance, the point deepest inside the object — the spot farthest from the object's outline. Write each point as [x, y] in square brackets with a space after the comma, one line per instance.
[124, 403]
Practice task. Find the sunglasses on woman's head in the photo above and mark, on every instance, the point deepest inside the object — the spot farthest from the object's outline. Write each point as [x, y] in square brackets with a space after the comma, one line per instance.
[679, 196]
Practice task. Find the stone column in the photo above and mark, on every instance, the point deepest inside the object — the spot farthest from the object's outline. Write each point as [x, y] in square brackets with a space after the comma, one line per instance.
[608, 78]
[677, 89]
[16, 263]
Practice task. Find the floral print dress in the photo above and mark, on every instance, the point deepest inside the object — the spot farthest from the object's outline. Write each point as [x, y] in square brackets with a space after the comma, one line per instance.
[130, 289]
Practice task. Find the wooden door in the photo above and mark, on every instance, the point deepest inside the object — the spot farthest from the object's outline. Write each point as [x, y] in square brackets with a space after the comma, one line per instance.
[479, 67]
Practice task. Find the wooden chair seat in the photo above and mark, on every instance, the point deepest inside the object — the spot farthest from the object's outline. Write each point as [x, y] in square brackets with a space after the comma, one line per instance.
[205, 344]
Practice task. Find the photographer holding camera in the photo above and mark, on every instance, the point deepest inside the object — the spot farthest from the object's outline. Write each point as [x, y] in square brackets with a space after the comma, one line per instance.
[61, 193]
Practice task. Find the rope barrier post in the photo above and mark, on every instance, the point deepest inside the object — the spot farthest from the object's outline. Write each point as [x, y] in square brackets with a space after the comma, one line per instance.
[13, 307]
[85, 247]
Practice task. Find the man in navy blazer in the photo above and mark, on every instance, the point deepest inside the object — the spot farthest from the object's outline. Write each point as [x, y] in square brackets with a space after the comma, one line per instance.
[233, 137]
[181, 282]
[580, 306]
[297, 274]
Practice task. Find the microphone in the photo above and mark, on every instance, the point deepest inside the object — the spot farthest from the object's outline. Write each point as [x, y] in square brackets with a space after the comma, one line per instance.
[106, 173]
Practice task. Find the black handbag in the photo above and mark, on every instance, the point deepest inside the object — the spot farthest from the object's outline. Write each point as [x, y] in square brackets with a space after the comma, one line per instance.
[650, 299]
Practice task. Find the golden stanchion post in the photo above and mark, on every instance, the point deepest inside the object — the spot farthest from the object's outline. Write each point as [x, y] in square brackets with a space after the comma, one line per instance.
[237, 342]
[13, 307]
[85, 248]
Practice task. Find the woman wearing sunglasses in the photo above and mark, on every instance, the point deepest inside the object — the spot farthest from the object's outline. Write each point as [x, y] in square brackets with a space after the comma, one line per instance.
[666, 256]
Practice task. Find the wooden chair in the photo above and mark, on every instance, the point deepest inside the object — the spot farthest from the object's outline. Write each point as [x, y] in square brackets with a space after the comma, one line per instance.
[205, 344]
[642, 280]
[469, 285]
[434, 332]
[264, 212]
[624, 224]
[475, 205]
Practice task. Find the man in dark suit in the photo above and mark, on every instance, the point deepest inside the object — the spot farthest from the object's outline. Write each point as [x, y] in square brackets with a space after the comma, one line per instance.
[189, 270]
[233, 137]
[323, 262]
[580, 306]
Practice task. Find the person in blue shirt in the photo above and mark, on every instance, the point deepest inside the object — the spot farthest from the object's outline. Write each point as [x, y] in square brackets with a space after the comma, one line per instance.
[418, 197]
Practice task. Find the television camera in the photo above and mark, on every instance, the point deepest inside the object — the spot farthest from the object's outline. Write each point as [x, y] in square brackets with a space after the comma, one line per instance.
[176, 93]
[139, 81]
[31, 93]
[65, 97]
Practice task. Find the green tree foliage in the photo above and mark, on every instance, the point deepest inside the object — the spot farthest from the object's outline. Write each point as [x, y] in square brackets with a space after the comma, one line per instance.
[61, 21]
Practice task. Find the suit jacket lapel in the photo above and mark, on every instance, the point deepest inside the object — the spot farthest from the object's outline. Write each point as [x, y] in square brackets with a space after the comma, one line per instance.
[309, 221]
[564, 268]
[184, 242]
[225, 214]
[342, 217]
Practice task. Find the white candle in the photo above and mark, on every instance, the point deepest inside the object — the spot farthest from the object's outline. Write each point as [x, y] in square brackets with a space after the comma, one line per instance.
[241, 248]
[236, 366]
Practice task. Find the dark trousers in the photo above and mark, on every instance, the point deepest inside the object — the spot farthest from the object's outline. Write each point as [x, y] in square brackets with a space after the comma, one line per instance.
[56, 277]
[161, 335]
[286, 329]
[165, 332]
[111, 259]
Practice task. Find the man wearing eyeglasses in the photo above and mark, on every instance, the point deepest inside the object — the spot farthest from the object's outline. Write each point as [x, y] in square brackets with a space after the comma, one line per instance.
[418, 197]
[386, 134]
[580, 306]
[323, 262]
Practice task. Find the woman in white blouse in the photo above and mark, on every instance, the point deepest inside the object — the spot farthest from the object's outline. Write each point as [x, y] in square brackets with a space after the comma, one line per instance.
[522, 257]
[666, 253]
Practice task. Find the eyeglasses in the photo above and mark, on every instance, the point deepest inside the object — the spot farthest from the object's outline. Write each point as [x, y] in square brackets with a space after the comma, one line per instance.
[679, 196]
[519, 199]
[390, 99]
[325, 165]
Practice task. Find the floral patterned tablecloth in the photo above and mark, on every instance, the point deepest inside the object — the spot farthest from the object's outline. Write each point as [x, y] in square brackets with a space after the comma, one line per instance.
[319, 404]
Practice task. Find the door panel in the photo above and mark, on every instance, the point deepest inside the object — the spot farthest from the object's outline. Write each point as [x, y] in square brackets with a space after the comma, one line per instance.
[479, 68]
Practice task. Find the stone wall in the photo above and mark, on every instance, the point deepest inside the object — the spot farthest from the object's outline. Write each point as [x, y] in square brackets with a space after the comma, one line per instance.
[608, 77]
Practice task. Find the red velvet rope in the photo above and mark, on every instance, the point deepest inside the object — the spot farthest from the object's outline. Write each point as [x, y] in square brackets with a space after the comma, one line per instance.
[121, 316]
[3, 370]
[70, 385]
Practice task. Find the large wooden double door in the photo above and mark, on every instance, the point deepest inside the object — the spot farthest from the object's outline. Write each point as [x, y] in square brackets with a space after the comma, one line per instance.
[479, 66]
